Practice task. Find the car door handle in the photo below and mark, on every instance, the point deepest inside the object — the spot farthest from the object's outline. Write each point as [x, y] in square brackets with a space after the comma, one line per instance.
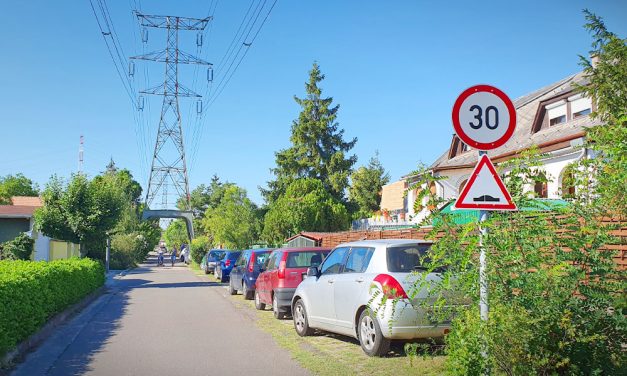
[330, 280]
[360, 280]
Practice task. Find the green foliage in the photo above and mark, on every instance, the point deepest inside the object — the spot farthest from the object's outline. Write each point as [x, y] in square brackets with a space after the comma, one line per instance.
[176, 234]
[553, 291]
[20, 248]
[16, 185]
[608, 87]
[82, 211]
[306, 206]
[32, 292]
[318, 148]
[234, 222]
[202, 198]
[200, 246]
[129, 249]
[364, 192]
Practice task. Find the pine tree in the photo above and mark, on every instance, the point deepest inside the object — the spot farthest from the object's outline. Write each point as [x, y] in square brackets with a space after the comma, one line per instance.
[318, 148]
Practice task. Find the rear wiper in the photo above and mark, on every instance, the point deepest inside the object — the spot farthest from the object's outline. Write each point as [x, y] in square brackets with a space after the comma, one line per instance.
[420, 267]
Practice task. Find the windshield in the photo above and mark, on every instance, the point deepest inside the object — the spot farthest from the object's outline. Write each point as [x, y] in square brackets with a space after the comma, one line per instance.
[305, 259]
[405, 259]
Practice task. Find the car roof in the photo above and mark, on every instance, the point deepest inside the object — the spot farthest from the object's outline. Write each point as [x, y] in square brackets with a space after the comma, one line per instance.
[384, 242]
[301, 249]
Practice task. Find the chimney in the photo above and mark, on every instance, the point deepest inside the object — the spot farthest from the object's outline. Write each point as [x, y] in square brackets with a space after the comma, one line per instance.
[594, 60]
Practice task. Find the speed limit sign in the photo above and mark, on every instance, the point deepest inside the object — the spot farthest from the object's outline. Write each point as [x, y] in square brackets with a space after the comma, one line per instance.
[484, 117]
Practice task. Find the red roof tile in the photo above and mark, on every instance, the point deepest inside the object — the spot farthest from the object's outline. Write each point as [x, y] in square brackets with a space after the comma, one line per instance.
[16, 211]
[27, 201]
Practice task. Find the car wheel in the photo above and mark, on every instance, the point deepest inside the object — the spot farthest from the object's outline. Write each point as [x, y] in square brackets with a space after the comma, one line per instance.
[258, 304]
[232, 290]
[370, 336]
[206, 270]
[248, 295]
[301, 322]
[275, 308]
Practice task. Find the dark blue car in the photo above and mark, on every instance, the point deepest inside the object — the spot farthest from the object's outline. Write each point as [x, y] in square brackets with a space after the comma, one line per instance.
[225, 265]
[246, 270]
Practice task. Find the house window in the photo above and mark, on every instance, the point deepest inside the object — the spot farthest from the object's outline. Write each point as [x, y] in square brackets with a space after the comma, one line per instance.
[568, 182]
[556, 112]
[464, 147]
[462, 185]
[580, 106]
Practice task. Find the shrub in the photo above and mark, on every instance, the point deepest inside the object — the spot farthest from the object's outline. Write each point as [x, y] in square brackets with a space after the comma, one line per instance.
[19, 248]
[32, 292]
[200, 246]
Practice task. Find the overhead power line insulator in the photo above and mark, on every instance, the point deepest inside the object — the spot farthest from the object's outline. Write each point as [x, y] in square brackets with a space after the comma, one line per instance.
[145, 35]
[140, 103]
[199, 39]
[199, 106]
[131, 68]
[210, 74]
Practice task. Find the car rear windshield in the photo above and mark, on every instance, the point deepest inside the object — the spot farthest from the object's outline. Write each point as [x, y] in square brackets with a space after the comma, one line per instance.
[304, 259]
[216, 254]
[406, 258]
[260, 258]
[234, 255]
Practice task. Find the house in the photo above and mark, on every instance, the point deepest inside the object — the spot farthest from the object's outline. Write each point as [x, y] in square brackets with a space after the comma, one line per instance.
[19, 218]
[554, 119]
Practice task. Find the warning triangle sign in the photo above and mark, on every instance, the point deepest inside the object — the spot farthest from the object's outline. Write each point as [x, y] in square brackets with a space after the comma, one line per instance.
[485, 189]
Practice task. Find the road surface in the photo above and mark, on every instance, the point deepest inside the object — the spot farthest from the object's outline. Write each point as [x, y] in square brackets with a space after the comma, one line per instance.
[160, 321]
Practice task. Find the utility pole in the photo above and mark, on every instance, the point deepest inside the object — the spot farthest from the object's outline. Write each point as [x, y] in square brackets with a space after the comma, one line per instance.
[80, 155]
[168, 173]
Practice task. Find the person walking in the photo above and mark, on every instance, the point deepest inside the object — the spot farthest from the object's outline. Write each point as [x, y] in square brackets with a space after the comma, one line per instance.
[173, 256]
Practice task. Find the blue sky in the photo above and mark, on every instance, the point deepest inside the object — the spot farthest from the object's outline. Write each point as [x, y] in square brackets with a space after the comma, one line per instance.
[394, 67]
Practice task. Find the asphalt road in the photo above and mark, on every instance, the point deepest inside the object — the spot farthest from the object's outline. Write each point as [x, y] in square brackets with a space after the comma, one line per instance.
[161, 321]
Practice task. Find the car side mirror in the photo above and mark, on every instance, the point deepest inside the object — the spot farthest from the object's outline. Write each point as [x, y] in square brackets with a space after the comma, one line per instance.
[313, 272]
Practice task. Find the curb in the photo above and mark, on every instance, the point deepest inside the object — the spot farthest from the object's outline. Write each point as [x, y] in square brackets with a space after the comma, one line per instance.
[35, 339]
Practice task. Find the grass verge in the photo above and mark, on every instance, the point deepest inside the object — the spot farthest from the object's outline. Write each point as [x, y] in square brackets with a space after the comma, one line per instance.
[330, 354]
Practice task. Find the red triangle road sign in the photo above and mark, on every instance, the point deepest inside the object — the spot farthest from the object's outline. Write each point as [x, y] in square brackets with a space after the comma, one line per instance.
[485, 189]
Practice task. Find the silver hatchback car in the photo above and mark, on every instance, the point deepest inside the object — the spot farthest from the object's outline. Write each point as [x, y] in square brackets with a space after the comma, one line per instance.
[354, 277]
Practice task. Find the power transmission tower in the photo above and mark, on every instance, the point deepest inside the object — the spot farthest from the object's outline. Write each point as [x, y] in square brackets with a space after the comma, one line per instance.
[168, 173]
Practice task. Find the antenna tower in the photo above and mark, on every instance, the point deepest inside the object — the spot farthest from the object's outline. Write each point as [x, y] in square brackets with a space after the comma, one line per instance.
[80, 155]
[168, 173]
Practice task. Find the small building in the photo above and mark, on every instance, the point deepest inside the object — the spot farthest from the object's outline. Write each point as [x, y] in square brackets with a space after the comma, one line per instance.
[305, 239]
[19, 218]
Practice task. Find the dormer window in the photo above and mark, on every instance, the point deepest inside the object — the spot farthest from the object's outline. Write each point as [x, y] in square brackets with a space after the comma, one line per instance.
[579, 106]
[556, 112]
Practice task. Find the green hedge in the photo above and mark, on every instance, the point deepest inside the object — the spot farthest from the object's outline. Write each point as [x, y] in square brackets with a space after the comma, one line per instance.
[32, 292]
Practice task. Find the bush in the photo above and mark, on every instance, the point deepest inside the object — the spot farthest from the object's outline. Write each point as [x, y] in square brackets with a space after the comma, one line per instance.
[200, 246]
[20, 248]
[32, 292]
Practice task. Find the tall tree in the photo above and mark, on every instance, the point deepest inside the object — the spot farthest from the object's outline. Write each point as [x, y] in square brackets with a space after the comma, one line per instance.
[318, 148]
[364, 192]
[234, 222]
[305, 206]
[16, 185]
[608, 88]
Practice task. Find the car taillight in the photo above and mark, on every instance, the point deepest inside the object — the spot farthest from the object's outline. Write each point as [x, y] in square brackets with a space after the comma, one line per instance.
[391, 288]
[251, 262]
[227, 263]
[281, 273]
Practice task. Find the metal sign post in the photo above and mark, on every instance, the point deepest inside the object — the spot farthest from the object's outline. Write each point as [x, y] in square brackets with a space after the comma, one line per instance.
[484, 118]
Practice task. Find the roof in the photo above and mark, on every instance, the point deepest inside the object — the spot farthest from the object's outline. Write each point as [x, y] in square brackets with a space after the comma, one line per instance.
[17, 211]
[27, 201]
[523, 138]
[317, 236]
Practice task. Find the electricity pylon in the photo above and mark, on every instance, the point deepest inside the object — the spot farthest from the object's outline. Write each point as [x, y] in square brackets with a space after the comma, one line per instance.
[169, 169]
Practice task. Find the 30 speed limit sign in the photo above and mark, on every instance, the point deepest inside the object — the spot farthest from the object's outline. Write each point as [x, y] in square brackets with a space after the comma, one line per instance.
[484, 117]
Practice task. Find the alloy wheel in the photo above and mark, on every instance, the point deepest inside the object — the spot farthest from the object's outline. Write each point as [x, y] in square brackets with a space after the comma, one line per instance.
[368, 332]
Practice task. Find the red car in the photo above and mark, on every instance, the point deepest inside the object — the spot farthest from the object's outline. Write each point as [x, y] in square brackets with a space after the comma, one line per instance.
[282, 273]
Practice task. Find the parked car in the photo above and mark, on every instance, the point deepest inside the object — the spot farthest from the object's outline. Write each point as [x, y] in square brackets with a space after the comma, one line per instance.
[356, 275]
[281, 274]
[224, 266]
[211, 258]
[245, 272]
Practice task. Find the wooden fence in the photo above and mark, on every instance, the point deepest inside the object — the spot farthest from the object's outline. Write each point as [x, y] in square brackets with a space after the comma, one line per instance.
[333, 239]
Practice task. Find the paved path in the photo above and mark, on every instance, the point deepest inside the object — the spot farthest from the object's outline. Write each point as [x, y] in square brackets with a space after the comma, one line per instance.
[161, 321]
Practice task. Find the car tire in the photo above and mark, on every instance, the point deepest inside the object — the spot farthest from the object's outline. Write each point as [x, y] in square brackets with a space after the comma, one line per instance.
[258, 304]
[301, 322]
[232, 290]
[248, 295]
[371, 337]
[206, 270]
[275, 308]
